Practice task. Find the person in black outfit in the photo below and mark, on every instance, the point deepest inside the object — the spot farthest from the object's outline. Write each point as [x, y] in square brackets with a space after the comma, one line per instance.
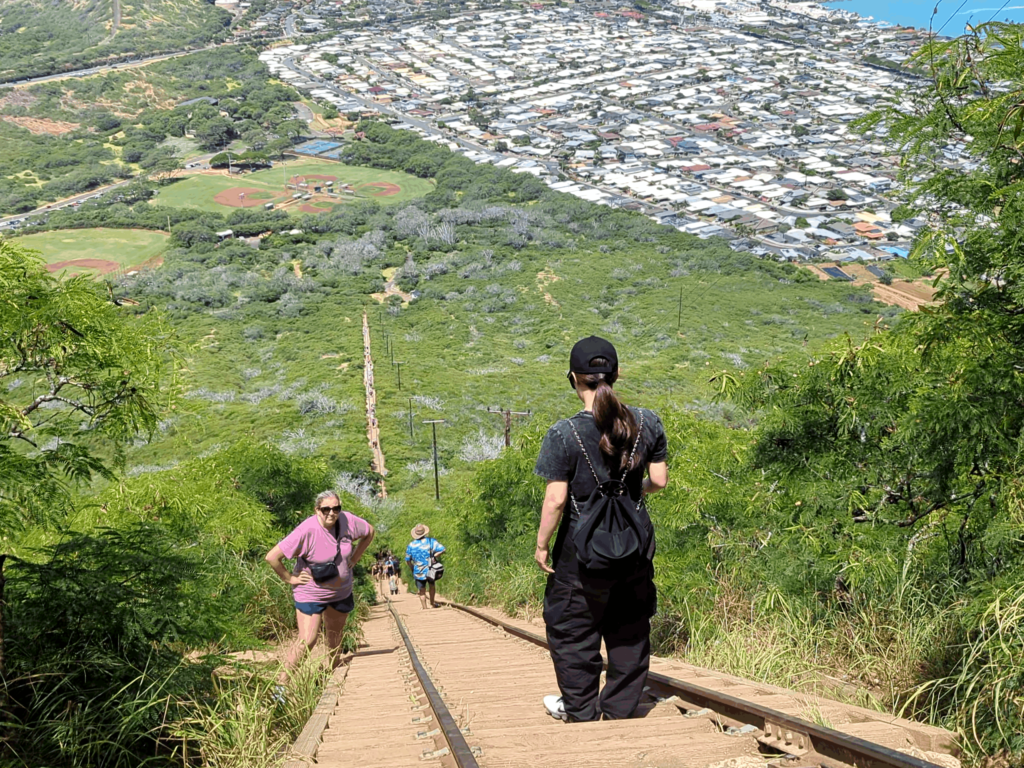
[582, 607]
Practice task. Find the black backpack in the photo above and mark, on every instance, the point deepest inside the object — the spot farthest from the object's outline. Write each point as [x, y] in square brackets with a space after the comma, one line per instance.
[613, 532]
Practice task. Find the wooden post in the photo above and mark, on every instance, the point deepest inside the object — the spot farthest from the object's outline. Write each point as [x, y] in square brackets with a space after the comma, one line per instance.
[3, 605]
[437, 481]
[508, 421]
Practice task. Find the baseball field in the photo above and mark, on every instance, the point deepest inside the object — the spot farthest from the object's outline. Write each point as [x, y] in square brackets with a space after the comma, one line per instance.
[327, 184]
[98, 251]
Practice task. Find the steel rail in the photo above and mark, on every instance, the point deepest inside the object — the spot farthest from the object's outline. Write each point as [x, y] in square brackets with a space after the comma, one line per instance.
[780, 730]
[461, 751]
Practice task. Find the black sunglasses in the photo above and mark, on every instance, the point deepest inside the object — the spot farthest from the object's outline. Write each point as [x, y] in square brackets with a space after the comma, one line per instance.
[328, 510]
[571, 382]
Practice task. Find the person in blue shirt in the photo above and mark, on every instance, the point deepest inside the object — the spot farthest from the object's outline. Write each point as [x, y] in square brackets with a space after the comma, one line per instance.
[418, 555]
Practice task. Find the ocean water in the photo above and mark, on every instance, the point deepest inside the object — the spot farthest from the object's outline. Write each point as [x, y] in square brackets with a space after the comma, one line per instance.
[949, 16]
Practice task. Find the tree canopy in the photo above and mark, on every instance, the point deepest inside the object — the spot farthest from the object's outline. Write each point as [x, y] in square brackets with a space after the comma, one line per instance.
[79, 378]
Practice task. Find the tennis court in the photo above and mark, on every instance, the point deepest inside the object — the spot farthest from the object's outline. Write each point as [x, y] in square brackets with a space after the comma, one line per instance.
[316, 147]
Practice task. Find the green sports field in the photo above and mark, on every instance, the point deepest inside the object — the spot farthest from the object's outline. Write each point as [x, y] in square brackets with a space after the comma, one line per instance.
[202, 190]
[96, 251]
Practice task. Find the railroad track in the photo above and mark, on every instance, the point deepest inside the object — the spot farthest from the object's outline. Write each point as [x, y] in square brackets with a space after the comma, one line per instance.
[460, 687]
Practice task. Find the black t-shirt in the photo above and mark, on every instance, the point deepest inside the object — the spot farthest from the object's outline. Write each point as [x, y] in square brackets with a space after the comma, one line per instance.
[560, 458]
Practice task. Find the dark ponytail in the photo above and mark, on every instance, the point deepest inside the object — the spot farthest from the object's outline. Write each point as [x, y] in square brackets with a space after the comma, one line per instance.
[615, 421]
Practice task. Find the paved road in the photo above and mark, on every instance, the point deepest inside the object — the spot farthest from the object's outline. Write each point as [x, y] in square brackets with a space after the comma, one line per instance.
[125, 65]
[42, 210]
[70, 201]
[289, 25]
[106, 68]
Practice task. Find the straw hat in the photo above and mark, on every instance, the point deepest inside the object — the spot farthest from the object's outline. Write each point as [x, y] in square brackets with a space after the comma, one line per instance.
[419, 531]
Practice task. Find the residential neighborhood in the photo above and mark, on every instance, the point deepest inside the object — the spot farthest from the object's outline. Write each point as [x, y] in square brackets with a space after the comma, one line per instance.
[730, 119]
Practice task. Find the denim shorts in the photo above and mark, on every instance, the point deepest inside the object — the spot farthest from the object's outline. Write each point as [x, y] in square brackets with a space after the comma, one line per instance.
[345, 605]
[422, 583]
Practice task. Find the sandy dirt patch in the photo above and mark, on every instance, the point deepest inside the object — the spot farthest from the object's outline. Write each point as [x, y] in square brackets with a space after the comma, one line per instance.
[253, 197]
[102, 266]
[816, 270]
[42, 125]
[390, 289]
[545, 278]
[909, 295]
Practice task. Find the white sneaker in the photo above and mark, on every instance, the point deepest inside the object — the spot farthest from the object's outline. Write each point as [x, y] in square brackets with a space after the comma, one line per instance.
[555, 707]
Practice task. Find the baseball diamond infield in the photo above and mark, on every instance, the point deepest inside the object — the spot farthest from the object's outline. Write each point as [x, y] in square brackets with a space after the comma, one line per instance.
[233, 198]
[278, 185]
[97, 251]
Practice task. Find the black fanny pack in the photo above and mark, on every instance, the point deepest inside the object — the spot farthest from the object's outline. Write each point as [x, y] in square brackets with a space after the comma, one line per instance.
[329, 570]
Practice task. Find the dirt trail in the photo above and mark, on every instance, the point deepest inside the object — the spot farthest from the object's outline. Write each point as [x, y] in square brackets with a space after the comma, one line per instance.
[545, 278]
[910, 295]
[372, 427]
[390, 289]
[114, 25]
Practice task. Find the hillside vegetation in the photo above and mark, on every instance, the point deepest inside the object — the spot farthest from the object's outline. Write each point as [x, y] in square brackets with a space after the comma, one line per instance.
[125, 124]
[42, 38]
[844, 512]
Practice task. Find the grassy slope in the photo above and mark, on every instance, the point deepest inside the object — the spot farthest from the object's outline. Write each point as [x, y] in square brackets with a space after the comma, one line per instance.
[127, 247]
[78, 33]
[198, 191]
[459, 360]
[293, 357]
[470, 360]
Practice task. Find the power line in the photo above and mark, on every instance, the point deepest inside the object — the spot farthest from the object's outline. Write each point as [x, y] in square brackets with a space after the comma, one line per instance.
[954, 13]
[998, 11]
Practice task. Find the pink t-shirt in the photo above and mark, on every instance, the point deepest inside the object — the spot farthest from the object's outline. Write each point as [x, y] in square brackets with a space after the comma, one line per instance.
[310, 542]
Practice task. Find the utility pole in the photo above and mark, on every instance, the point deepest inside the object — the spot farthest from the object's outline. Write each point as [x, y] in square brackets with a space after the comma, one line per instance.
[508, 421]
[399, 365]
[679, 318]
[392, 345]
[437, 482]
[410, 417]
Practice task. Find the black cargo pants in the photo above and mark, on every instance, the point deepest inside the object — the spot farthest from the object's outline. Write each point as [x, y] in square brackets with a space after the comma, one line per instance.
[578, 616]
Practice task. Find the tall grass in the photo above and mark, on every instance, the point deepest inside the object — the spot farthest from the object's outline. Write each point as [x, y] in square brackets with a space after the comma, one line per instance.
[983, 696]
[240, 725]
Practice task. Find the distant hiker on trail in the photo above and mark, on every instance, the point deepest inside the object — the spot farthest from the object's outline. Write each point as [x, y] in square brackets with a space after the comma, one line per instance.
[393, 582]
[602, 582]
[422, 555]
[325, 552]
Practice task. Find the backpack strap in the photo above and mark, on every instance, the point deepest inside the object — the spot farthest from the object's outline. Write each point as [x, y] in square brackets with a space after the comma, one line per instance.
[639, 431]
[593, 471]
[585, 455]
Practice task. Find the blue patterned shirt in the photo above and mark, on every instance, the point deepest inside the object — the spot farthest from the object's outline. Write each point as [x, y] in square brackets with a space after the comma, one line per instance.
[418, 554]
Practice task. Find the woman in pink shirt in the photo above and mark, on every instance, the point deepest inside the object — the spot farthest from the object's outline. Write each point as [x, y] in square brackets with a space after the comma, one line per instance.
[325, 552]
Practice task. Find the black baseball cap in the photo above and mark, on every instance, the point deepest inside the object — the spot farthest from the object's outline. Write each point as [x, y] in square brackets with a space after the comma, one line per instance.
[586, 350]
